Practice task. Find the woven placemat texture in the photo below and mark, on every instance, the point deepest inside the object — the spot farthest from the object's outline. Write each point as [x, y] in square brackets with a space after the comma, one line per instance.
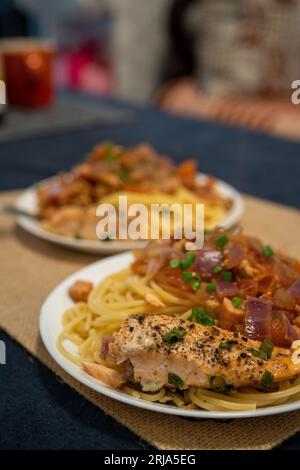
[31, 268]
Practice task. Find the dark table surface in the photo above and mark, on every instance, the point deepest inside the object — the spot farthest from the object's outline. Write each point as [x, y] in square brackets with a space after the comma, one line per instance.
[37, 410]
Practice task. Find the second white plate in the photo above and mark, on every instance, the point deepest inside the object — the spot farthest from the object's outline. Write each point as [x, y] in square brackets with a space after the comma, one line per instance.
[28, 201]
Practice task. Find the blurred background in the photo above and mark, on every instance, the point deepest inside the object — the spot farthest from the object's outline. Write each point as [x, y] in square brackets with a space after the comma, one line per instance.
[231, 61]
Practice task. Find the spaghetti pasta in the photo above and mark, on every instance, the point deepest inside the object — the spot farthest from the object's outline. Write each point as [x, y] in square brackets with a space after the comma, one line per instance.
[125, 293]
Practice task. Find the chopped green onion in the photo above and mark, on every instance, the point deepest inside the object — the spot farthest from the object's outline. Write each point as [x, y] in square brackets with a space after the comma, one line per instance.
[174, 335]
[199, 315]
[258, 353]
[236, 302]
[267, 380]
[77, 236]
[218, 384]
[211, 287]
[174, 379]
[175, 263]
[196, 284]
[267, 251]
[218, 269]
[110, 157]
[227, 345]
[207, 231]
[267, 347]
[124, 176]
[188, 260]
[230, 388]
[227, 276]
[187, 276]
[222, 241]
[264, 351]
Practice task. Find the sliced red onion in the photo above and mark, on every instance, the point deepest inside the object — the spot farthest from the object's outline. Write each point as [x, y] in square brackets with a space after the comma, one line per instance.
[106, 340]
[206, 261]
[235, 255]
[258, 318]
[294, 290]
[226, 288]
[290, 333]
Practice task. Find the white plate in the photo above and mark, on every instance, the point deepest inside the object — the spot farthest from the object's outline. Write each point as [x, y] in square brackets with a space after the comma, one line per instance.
[50, 327]
[28, 202]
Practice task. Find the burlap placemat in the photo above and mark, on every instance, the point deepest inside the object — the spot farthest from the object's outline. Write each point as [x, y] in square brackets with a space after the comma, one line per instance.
[31, 268]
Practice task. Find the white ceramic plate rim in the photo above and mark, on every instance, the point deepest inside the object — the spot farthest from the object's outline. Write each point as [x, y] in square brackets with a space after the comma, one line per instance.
[27, 201]
[50, 326]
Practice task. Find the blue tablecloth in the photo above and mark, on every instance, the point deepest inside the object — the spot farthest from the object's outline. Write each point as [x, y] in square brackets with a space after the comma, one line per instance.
[37, 410]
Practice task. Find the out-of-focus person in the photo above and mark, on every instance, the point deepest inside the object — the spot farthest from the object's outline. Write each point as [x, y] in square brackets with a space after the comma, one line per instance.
[140, 46]
[222, 59]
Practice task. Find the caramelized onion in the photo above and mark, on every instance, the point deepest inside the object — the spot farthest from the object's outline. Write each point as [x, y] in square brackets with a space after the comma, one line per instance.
[106, 340]
[283, 332]
[226, 289]
[206, 261]
[294, 290]
[234, 255]
[290, 334]
[258, 318]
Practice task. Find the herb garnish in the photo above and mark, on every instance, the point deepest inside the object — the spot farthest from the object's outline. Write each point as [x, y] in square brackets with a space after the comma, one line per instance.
[267, 380]
[174, 335]
[174, 379]
[267, 251]
[227, 345]
[185, 263]
[227, 276]
[110, 157]
[236, 302]
[222, 241]
[211, 287]
[196, 284]
[264, 351]
[187, 276]
[188, 260]
[218, 269]
[124, 176]
[218, 384]
[175, 263]
[199, 315]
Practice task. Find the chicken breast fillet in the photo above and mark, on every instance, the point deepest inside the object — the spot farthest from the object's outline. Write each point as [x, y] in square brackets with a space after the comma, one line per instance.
[160, 350]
